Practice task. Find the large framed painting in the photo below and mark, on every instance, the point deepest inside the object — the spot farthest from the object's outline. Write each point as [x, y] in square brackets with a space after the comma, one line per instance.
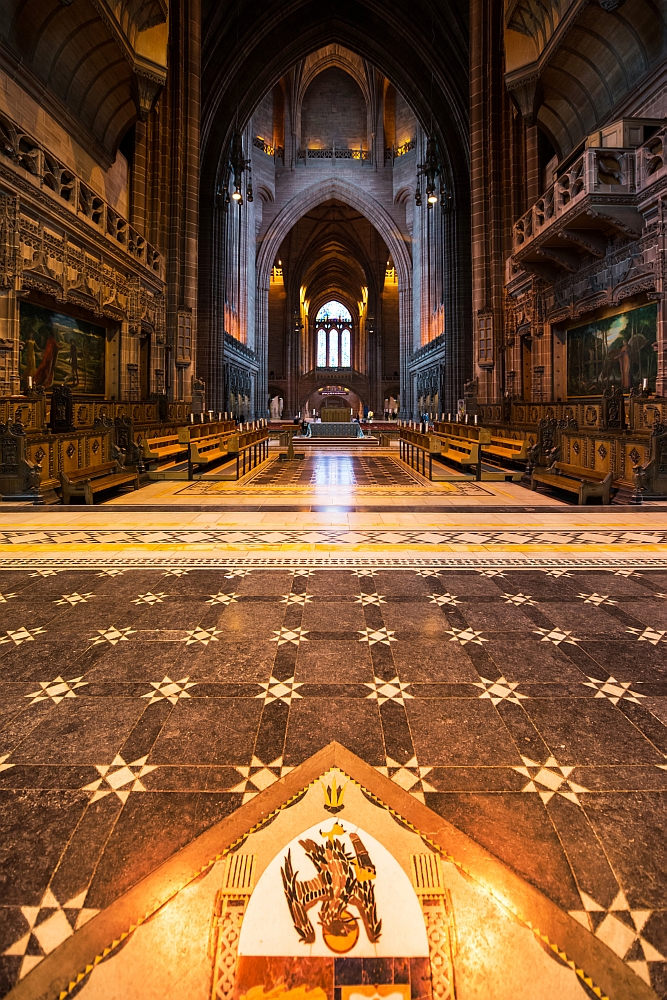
[620, 350]
[57, 349]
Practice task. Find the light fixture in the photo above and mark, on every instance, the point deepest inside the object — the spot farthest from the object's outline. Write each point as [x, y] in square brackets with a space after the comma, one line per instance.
[433, 171]
[237, 164]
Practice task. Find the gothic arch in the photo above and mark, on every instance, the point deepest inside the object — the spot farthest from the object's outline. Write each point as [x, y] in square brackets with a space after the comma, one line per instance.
[340, 190]
[328, 57]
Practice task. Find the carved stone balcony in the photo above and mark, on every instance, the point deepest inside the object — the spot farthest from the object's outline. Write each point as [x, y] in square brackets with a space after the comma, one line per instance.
[45, 171]
[310, 156]
[593, 200]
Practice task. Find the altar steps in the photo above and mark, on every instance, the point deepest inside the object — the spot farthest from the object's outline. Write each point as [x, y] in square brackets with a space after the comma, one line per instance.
[336, 442]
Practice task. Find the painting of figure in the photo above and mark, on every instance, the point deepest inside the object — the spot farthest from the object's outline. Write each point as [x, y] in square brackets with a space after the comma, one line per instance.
[620, 350]
[57, 349]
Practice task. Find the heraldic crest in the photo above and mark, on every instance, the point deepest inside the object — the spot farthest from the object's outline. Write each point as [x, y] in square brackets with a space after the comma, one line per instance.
[344, 880]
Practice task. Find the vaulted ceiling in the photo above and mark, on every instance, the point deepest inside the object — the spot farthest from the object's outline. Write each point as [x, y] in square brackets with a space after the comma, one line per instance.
[96, 65]
[334, 252]
[421, 46]
[571, 64]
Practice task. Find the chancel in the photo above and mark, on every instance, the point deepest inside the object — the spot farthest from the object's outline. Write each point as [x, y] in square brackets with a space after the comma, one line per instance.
[341, 332]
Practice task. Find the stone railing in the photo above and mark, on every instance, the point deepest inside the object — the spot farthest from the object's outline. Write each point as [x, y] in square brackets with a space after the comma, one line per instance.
[49, 173]
[652, 160]
[333, 153]
[393, 152]
[236, 345]
[596, 171]
[623, 173]
[276, 152]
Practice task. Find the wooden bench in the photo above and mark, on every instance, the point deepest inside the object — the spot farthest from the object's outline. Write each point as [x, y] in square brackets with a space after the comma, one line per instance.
[575, 479]
[514, 449]
[87, 482]
[157, 449]
[463, 451]
[209, 450]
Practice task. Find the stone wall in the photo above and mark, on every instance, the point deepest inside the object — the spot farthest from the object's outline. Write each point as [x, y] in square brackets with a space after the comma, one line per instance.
[333, 112]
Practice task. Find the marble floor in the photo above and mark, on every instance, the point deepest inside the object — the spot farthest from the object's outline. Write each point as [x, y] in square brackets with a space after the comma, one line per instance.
[167, 655]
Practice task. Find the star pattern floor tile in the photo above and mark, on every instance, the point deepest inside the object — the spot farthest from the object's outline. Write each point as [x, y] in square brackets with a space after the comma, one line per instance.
[465, 686]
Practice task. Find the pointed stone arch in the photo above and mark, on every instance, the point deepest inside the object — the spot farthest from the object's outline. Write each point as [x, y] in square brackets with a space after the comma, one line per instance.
[322, 190]
[336, 189]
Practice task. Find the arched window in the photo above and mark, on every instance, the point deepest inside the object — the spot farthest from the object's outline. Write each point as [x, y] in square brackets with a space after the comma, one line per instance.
[334, 336]
[333, 348]
[333, 311]
[345, 361]
[321, 348]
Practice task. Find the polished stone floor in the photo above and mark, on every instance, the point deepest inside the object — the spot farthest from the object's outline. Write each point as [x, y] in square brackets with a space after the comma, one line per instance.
[162, 660]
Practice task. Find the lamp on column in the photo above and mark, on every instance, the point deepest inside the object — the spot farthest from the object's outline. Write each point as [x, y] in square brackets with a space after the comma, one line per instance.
[237, 164]
[433, 172]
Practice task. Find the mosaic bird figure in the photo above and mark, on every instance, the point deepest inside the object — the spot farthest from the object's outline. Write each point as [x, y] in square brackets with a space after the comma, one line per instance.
[342, 880]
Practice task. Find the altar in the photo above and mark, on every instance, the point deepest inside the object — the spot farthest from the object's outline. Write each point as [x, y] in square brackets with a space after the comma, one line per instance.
[334, 430]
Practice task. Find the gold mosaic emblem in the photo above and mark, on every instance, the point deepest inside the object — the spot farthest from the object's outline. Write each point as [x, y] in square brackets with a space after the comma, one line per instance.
[344, 882]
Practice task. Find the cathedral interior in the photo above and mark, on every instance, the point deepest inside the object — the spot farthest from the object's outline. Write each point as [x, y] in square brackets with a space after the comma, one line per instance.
[340, 329]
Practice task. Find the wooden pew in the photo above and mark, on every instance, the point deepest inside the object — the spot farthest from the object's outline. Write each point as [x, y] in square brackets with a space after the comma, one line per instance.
[249, 447]
[512, 449]
[87, 482]
[157, 449]
[417, 451]
[210, 450]
[206, 444]
[583, 482]
[462, 451]
[251, 450]
[463, 443]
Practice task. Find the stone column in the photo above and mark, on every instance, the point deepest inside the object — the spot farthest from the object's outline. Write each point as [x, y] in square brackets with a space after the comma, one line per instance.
[262, 350]
[178, 114]
[487, 96]
[406, 335]
[661, 289]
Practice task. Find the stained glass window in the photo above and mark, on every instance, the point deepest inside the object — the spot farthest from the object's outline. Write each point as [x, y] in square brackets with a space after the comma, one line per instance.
[321, 348]
[345, 349]
[334, 311]
[333, 348]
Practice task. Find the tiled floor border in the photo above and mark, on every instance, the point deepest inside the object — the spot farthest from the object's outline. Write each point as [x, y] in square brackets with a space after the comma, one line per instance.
[454, 561]
[338, 535]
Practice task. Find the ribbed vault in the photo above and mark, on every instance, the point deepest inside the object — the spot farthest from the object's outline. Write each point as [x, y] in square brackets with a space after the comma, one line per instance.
[604, 55]
[421, 46]
[97, 65]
